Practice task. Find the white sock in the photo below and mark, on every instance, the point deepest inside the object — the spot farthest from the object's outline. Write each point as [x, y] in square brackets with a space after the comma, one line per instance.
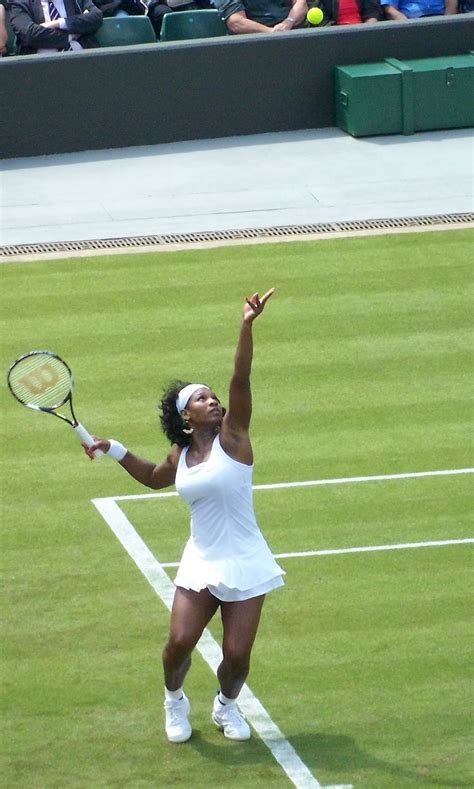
[173, 695]
[224, 699]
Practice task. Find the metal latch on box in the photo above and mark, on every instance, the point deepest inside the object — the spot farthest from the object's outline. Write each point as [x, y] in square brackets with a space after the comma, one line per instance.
[449, 76]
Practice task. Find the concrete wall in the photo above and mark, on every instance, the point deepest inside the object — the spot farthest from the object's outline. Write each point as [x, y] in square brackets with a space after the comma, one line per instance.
[158, 93]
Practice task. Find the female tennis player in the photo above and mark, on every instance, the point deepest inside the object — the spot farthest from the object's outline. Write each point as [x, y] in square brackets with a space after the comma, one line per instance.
[226, 563]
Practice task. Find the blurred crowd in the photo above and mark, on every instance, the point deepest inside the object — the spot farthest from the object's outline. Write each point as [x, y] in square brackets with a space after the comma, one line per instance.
[50, 26]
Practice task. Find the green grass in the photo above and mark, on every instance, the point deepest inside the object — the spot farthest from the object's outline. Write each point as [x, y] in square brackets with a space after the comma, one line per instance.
[363, 366]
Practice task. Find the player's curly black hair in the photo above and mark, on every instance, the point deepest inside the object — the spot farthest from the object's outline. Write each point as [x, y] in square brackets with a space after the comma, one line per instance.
[171, 422]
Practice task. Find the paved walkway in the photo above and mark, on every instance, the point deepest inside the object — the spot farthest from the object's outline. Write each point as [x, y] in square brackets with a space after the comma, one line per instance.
[278, 179]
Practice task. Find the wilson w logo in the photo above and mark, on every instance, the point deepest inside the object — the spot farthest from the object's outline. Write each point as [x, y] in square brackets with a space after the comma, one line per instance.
[41, 379]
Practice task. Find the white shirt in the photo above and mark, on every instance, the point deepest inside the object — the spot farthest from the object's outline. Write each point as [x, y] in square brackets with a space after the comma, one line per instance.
[62, 25]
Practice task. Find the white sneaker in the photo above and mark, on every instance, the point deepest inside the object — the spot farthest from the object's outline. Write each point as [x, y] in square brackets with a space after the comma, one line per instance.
[178, 728]
[230, 720]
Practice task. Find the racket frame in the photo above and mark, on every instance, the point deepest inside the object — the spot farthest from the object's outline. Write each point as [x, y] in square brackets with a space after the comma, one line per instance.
[80, 430]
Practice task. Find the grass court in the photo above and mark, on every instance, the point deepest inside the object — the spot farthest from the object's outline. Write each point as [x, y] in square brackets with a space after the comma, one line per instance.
[362, 367]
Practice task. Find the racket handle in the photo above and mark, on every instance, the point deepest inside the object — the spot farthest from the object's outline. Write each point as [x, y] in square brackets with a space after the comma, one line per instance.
[84, 436]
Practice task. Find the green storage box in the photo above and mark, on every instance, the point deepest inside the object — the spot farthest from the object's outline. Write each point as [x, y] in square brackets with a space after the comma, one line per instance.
[368, 99]
[443, 92]
[396, 97]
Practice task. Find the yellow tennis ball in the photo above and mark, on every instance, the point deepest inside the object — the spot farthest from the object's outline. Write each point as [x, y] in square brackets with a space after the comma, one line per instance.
[314, 16]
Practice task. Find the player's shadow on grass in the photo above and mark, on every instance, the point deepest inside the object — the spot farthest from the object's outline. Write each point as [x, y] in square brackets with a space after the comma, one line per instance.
[212, 745]
[341, 754]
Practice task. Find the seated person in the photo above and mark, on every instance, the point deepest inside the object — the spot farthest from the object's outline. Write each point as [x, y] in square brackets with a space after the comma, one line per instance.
[122, 7]
[44, 26]
[401, 10]
[262, 16]
[158, 8]
[350, 12]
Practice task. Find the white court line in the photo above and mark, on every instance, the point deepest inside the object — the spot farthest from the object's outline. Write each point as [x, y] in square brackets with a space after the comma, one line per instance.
[280, 748]
[313, 482]
[401, 546]
[362, 549]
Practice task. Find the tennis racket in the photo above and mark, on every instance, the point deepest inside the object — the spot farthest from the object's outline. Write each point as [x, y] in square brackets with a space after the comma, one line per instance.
[43, 381]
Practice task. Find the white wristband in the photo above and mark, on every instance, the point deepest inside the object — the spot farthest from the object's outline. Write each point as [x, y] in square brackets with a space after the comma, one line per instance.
[117, 450]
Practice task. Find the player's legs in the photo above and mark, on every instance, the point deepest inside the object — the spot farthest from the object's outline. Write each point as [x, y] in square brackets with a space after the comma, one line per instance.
[190, 614]
[240, 622]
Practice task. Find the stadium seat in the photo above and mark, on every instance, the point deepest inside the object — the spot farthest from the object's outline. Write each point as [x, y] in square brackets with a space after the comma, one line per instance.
[121, 31]
[203, 23]
[11, 40]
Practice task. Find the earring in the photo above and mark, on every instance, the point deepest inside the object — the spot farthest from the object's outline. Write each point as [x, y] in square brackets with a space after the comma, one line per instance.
[186, 429]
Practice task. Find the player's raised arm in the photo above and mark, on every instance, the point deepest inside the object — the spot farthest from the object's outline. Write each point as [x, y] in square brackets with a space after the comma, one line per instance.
[237, 419]
[153, 475]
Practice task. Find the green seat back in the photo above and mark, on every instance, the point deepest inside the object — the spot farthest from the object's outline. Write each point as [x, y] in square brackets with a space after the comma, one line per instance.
[121, 31]
[203, 23]
[11, 40]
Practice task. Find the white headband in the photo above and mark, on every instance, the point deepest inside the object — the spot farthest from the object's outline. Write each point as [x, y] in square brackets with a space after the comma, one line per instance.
[185, 394]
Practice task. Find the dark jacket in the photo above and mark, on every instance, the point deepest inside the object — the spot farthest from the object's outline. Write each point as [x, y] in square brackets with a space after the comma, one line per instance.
[367, 8]
[26, 17]
[131, 7]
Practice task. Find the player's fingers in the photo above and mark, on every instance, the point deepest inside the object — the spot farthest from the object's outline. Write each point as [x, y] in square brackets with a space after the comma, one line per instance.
[100, 444]
[266, 296]
[88, 451]
[256, 300]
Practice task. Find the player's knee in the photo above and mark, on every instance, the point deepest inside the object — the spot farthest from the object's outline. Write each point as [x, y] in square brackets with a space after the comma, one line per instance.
[178, 647]
[237, 660]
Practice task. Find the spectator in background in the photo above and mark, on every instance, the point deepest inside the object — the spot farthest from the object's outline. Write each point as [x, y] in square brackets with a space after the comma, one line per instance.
[400, 10]
[44, 26]
[262, 16]
[350, 12]
[122, 7]
[3, 32]
[158, 8]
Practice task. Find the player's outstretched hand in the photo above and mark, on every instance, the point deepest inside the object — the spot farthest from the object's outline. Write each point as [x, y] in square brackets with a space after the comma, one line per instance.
[99, 443]
[254, 305]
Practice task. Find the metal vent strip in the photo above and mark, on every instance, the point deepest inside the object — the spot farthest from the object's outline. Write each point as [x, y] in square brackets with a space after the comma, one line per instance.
[287, 232]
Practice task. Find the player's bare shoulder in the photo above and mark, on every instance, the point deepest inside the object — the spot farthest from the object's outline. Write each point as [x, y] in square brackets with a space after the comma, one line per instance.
[172, 459]
[164, 473]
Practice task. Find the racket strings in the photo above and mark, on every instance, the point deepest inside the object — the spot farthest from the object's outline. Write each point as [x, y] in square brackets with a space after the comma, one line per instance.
[41, 380]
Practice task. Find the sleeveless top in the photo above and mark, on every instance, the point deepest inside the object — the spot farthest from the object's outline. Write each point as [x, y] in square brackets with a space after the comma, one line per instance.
[226, 551]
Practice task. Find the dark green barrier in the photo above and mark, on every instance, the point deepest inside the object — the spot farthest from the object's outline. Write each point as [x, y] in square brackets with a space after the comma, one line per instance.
[166, 92]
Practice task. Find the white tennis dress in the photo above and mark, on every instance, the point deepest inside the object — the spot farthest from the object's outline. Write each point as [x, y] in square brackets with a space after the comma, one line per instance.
[226, 551]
